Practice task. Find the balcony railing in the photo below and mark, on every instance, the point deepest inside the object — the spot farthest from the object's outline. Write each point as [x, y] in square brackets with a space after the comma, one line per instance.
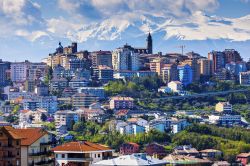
[9, 157]
[40, 153]
[44, 162]
[45, 143]
[80, 159]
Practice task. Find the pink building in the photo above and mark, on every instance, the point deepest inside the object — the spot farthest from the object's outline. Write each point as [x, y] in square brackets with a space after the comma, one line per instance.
[121, 103]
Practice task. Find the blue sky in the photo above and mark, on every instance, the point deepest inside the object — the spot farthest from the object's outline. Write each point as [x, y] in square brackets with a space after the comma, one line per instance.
[31, 29]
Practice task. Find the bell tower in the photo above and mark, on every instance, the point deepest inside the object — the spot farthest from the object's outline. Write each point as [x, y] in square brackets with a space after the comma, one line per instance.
[149, 44]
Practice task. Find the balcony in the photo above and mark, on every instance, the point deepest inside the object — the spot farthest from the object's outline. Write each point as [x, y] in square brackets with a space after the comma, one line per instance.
[9, 157]
[88, 159]
[40, 153]
[44, 162]
[45, 143]
[49, 162]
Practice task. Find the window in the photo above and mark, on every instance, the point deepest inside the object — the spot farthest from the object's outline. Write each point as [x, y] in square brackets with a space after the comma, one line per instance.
[56, 155]
[17, 142]
[99, 155]
[63, 155]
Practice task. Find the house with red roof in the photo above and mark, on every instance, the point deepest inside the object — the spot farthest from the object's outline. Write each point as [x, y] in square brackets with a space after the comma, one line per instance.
[34, 143]
[244, 158]
[129, 148]
[81, 153]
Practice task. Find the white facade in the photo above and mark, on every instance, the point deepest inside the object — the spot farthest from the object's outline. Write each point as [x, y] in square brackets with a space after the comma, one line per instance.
[125, 59]
[225, 119]
[175, 86]
[244, 78]
[120, 59]
[19, 71]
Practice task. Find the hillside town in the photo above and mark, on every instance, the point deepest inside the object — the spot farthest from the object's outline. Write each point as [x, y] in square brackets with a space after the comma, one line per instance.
[128, 106]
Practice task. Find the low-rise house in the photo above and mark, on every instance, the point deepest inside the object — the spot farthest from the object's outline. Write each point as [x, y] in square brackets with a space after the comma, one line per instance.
[26, 116]
[155, 149]
[132, 160]
[38, 115]
[129, 148]
[211, 153]
[95, 115]
[82, 152]
[65, 119]
[175, 86]
[121, 103]
[244, 158]
[34, 117]
[121, 114]
[186, 150]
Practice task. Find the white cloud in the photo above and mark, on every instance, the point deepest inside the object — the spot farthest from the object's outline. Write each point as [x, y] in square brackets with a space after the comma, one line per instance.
[113, 19]
[207, 27]
[31, 36]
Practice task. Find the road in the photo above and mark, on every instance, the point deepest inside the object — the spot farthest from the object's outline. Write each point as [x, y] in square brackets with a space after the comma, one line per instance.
[198, 95]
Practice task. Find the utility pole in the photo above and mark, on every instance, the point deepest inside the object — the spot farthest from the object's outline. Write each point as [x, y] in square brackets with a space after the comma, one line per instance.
[182, 48]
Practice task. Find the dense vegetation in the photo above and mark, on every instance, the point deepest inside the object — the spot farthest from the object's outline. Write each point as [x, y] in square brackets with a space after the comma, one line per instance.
[101, 134]
[231, 141]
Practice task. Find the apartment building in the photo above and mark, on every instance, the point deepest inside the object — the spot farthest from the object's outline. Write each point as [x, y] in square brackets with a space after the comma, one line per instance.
[121, 103]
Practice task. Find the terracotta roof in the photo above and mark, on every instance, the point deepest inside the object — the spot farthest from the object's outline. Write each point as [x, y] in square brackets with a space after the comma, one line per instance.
[122, 112]
[132, 143]
[9, 130]
[24, 111]
[81, 146]
[29, 136]
[243, 155]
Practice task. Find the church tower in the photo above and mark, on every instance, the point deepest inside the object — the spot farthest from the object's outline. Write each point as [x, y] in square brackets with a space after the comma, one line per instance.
[149, 44]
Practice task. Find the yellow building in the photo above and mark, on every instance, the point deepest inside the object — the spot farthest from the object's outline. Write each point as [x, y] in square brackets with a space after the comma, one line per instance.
[205, 66]
[223, 107]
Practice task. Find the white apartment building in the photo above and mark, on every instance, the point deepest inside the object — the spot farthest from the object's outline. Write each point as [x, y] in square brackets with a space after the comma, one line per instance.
[125, 59]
